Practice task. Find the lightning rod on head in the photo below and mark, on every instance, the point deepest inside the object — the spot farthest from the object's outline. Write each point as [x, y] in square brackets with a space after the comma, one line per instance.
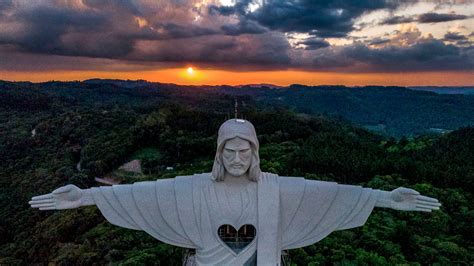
[236, 109]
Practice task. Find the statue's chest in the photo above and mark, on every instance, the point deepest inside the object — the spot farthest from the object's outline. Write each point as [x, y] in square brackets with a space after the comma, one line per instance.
[234, 205]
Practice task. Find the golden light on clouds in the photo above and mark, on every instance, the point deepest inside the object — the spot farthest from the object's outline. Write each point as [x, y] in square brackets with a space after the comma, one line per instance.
[141, 22]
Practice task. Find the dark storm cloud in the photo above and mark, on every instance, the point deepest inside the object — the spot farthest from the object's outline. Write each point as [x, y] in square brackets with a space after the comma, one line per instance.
[435, 17]
[5, 4]
[458, 39]
[267, 50]
[427, 55]
[107, 29]
[313, 43]
[51, 30]
[398, 20]
[454, 36]
[14, 60]
[175, 31]
[240, 8]
[379, 41]
[113, 5]
[243, 27]
[320, 18]
[424, 18]
[464, 43]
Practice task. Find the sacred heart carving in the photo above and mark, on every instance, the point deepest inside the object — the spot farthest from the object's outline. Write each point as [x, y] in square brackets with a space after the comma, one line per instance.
[237, 240]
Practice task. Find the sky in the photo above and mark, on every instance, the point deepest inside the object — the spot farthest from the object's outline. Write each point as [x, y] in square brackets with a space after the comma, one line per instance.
[360, 42]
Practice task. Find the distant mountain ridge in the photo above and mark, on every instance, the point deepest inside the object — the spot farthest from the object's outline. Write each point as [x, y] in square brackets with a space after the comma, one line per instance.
[393, 111]
[468, 90]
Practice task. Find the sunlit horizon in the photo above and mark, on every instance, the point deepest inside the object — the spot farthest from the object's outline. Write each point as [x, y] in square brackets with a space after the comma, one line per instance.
[196, 76]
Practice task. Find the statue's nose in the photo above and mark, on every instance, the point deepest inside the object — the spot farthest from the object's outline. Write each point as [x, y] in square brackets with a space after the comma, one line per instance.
[237, 158]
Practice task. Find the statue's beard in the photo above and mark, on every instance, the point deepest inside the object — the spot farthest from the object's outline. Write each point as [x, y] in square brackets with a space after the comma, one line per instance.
[237, 170]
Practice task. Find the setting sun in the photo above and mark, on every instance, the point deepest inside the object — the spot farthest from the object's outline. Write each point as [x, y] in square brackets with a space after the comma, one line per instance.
[188, 75]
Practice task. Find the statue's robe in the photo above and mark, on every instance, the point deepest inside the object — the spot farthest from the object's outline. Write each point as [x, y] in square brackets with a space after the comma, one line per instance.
[187, 211]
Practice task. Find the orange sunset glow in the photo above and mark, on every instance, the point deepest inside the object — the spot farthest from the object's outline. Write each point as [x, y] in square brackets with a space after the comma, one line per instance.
[282, 78]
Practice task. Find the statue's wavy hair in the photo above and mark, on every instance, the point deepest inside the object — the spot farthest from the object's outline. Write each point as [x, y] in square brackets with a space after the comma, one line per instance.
[218, 169]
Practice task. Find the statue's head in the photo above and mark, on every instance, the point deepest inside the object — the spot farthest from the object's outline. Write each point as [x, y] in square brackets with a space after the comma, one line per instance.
[237, 151]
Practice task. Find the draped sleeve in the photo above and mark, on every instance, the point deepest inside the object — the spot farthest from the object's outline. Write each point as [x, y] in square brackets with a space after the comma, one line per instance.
[311, 210]
[162, 208]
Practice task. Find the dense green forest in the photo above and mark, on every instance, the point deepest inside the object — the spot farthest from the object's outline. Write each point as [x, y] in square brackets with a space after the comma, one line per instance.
[48, 129]
[390, 111]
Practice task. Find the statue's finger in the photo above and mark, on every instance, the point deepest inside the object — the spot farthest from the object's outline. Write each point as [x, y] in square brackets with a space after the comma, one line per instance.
[422, 209]
[45, 196]
[425, 198]
[41, 201]
[427, 203]
[47, 208]
[428, 206]
[410, 191]
[44, 205]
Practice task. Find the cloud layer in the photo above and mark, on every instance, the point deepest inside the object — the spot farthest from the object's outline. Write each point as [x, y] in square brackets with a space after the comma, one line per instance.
[425, 18]
[238, 35]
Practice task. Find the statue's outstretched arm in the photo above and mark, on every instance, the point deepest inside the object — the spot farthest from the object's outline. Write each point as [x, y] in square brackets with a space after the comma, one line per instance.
[66, 197]
[406, 199]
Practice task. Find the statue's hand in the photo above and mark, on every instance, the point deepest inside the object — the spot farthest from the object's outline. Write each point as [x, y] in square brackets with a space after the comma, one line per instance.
[67, 197]
[406, 199]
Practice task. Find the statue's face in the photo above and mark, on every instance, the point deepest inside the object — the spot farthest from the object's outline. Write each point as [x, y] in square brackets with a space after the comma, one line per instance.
[237, 156]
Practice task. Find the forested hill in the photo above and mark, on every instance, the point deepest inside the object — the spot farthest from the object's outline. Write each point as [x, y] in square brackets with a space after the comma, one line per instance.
[58, 133]
[392, 111]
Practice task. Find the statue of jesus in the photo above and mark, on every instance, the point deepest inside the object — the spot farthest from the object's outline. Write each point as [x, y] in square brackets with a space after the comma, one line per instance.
[187, 211]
